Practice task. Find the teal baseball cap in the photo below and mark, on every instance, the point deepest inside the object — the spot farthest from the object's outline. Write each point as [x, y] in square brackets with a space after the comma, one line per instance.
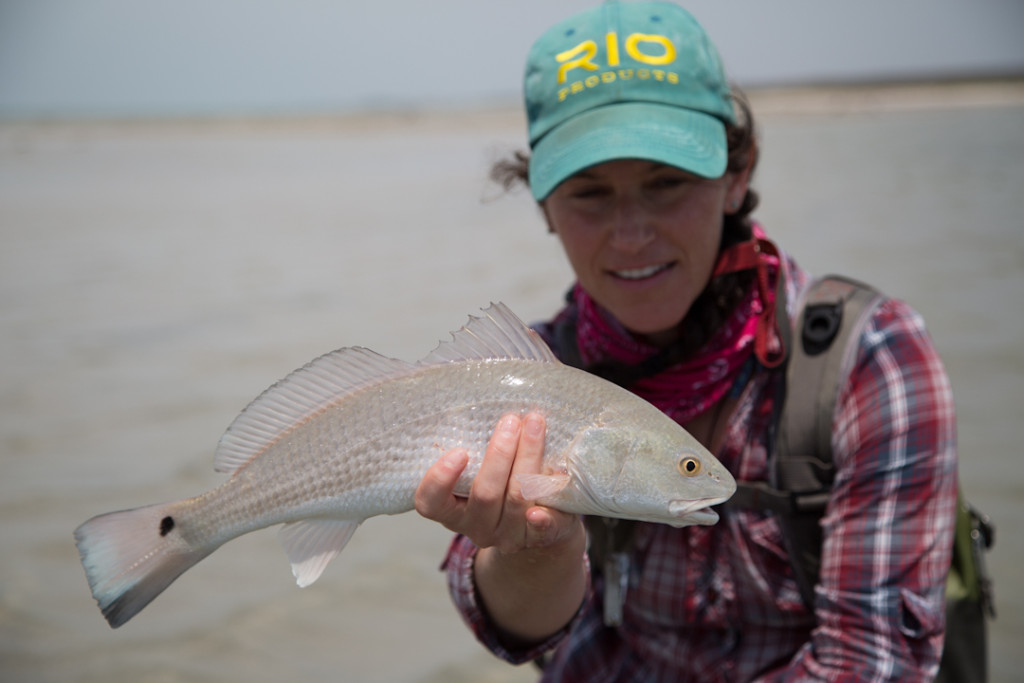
[625, 80]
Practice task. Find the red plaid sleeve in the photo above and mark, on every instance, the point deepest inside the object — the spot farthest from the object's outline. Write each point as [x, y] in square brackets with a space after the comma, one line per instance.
[459, 568]
[889, 525]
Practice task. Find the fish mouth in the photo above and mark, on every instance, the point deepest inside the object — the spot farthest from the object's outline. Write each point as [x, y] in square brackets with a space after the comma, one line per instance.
[693, 512]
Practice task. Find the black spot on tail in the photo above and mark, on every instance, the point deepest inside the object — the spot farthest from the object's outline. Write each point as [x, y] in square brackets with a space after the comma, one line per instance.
[166, 524]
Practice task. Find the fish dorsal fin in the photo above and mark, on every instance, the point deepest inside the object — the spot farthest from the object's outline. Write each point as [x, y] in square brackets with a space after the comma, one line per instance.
[497, 334]
[304, 393]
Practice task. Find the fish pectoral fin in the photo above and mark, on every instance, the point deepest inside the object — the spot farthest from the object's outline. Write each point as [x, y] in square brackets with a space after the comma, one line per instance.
[312, 543]
[539, 486]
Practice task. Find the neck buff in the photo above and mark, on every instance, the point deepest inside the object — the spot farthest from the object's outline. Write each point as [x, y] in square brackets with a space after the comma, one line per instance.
[688, 388]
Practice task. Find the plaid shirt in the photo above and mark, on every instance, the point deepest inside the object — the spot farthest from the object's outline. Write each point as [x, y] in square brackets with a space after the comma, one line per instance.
[720, 603]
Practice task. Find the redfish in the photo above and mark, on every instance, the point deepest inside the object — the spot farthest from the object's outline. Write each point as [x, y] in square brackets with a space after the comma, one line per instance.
[351, 434]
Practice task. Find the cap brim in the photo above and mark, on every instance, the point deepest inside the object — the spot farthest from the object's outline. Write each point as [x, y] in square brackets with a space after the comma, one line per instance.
[684, 138]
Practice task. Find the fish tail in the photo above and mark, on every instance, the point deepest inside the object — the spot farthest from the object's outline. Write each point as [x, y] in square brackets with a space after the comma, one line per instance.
[131, 556]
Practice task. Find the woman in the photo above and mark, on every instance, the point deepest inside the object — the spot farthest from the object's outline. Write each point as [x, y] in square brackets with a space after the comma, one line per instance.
[642, 169]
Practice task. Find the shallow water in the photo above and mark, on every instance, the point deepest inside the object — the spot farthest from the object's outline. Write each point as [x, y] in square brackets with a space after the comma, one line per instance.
[155, 277]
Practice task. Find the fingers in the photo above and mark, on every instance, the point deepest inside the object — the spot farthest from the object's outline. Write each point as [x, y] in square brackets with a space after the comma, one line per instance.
[495, 513]
[530, 454]
[546, 527]
[491, 485]
[435, 496]
[479, 515]
[543, 525]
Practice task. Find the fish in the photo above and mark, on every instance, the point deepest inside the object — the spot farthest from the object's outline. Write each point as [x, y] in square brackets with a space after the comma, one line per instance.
[350, 435]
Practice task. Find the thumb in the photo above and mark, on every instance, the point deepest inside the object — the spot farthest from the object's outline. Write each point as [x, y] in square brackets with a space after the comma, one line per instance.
[547, 527]
[435, 496]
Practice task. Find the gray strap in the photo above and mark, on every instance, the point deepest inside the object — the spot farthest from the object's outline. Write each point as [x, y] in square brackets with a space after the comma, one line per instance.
[814, 377]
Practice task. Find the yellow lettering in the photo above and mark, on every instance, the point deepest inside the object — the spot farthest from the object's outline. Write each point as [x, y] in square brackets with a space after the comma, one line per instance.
[611, 40]
[594, 80]
[633, 48]
[588, 48]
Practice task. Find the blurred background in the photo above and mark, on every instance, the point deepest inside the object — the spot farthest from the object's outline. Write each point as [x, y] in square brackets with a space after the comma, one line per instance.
[198, 197]
[119, 58]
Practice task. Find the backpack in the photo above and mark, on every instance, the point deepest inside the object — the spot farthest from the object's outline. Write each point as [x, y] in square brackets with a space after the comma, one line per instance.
[830, 323]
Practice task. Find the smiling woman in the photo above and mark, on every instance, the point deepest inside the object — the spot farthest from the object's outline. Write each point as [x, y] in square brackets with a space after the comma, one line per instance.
[643, 238]
[681, 297]
[712, 302]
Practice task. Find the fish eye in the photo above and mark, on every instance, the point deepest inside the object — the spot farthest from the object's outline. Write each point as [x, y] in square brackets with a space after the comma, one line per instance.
[689, 466]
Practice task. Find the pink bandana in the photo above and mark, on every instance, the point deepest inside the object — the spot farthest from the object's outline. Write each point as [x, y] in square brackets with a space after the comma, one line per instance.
[686, 390]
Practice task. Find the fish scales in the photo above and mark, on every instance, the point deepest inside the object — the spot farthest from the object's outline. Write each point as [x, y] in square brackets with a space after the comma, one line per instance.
[366, 454]
[351, 435]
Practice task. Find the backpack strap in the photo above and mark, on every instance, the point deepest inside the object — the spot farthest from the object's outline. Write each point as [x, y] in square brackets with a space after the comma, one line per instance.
[833, 316]
[835, 311]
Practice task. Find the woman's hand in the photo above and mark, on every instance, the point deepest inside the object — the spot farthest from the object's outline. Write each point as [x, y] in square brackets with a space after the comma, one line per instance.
[495, 514]
[530, 571]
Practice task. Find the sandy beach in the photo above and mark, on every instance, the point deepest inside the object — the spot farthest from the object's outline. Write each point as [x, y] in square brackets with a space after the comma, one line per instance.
[155, 276]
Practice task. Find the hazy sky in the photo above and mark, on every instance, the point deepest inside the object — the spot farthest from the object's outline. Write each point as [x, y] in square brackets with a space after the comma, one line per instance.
[154, 57]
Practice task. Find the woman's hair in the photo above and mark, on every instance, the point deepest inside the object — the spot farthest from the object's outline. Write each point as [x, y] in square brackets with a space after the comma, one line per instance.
[722, 293]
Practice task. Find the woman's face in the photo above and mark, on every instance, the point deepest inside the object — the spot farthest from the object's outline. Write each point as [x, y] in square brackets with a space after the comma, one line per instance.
[643, 238]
